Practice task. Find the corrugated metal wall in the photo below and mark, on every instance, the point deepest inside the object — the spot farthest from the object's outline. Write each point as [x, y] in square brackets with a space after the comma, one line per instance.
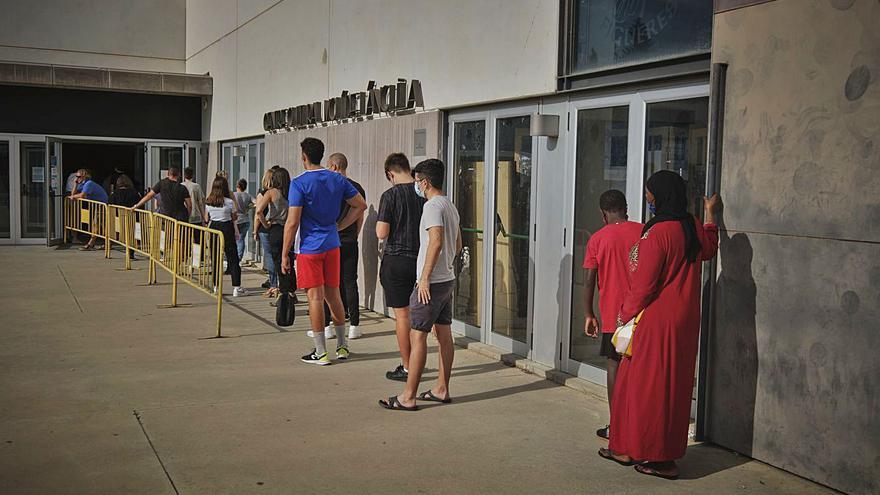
[365, 144]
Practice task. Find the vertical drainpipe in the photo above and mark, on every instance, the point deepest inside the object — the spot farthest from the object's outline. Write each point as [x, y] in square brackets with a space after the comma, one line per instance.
[717, 85]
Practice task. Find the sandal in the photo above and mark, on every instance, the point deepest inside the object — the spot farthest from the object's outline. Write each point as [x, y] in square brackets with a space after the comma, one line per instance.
[646, 469]
[430, 397]
[607, 454]
[604, 432]
[394, 403]
[87, 248]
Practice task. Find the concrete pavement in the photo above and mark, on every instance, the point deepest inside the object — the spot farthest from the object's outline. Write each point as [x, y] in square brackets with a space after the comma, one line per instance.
[103, 392]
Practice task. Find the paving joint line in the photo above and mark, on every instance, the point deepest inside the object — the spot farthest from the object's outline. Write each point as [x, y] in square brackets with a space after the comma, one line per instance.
[69, 289]
[155, 452]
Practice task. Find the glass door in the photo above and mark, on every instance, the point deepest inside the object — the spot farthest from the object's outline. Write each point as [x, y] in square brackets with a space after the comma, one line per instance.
[6, 144]
[468, 150]
[32, 193]
[512, 240]
[493, 295]
[617, 143]
[244, 160]
[161, 157]
[54, 192]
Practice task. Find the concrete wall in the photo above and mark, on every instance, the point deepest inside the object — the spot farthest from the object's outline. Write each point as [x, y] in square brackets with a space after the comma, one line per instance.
[98, 33]
[268, 55]
[794, 374]
[365, 144]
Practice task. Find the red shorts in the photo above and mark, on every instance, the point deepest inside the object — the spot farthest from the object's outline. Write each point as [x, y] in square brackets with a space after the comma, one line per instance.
[315, 270]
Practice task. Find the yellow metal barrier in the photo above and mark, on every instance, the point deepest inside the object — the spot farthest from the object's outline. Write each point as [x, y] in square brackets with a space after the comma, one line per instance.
[117, 229]
[88, 217]
[199, 261]
[190, 253]
[163, 230]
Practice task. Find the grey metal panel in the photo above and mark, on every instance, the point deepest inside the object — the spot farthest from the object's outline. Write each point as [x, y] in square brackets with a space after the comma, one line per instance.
[25, 74]
[80, 77]
[725, 5]
[135, 81]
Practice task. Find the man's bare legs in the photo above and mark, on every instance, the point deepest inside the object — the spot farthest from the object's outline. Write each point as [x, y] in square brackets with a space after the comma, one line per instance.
[337, 309]
[447, 354]
[317, 296]
[403, 324]
[417, 357]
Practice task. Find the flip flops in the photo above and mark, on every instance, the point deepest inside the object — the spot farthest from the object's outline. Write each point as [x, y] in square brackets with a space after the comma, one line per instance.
[647, 470]
[394, 404]
[607, 454]
[429, 396]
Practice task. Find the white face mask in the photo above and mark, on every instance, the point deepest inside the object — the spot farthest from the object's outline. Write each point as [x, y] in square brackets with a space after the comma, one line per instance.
[419, 192]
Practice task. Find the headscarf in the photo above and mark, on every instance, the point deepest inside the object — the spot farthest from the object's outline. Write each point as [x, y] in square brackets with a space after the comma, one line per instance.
[670, 201]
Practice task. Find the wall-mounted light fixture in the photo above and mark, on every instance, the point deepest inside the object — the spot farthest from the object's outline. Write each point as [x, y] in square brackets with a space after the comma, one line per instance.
[544, 125]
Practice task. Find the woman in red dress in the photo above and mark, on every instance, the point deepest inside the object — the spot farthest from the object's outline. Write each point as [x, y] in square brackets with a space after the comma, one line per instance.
[652, 395]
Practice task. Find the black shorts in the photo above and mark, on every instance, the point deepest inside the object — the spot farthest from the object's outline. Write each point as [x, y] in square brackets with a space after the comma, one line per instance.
[398, 277]
[606, 348]
[438, 310]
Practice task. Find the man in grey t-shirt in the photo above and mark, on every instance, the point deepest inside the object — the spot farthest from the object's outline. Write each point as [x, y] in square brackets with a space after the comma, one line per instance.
[431, 301]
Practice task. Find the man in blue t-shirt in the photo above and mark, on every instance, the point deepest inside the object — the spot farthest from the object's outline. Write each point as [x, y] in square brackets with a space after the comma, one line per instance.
[315, 202]
[86, 188]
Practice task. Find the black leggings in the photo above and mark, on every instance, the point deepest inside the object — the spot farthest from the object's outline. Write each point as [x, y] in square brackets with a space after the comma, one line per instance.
[286, 281]
[348, 279]
[230, 249]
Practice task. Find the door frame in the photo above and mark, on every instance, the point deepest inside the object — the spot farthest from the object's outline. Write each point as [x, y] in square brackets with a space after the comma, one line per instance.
[490, 116]
[14, 218]
[635, 173]
[55, 202]
[15, 172]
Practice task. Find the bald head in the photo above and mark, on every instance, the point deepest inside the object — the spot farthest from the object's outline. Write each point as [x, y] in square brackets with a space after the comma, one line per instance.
[337, 162]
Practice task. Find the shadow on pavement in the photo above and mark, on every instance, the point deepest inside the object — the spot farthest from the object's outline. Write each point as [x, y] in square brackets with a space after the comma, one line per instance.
[706, 459]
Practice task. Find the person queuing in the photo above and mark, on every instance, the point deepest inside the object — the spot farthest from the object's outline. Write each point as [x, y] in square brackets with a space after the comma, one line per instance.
[314, 206]
[652, 394]
[348, 254]
[607, 260]
[221, 215]
[124, 194]
[243, 204]
[86, 188]
[431, 300]
[174, 200]
[397, 228]
[261, 234]
[272, 210]
[196, 197]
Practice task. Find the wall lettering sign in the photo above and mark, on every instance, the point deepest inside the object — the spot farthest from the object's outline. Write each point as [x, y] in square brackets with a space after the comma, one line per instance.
[392, 99]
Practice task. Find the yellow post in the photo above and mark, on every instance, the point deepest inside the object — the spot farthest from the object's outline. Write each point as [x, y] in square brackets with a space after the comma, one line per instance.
[64, 208]
[152, 248]
[107, 226]
[218, 270]
[174, 262]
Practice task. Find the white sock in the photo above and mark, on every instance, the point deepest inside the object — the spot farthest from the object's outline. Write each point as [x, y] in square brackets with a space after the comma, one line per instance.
[320, 347]
[340, 334]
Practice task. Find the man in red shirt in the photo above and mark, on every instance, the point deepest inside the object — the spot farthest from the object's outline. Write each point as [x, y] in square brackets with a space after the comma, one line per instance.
[607, 259]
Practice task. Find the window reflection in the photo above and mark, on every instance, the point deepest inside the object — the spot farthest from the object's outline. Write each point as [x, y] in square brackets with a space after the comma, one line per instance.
[612, 33]
[513, 187]
[469, 161]
[600, 164]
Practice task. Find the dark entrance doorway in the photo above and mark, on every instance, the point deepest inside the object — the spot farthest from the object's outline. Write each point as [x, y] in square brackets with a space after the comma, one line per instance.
[105, 161]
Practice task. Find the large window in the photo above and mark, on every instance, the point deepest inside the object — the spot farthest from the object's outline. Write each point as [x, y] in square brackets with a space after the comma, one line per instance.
[606, 34]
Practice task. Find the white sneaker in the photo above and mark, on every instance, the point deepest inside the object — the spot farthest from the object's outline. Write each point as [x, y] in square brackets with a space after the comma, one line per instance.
[238, 292]
[354, 332]
[329, 332]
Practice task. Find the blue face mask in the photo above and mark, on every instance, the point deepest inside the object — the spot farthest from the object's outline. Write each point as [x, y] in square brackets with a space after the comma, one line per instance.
[652, 208]
[419, 192]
